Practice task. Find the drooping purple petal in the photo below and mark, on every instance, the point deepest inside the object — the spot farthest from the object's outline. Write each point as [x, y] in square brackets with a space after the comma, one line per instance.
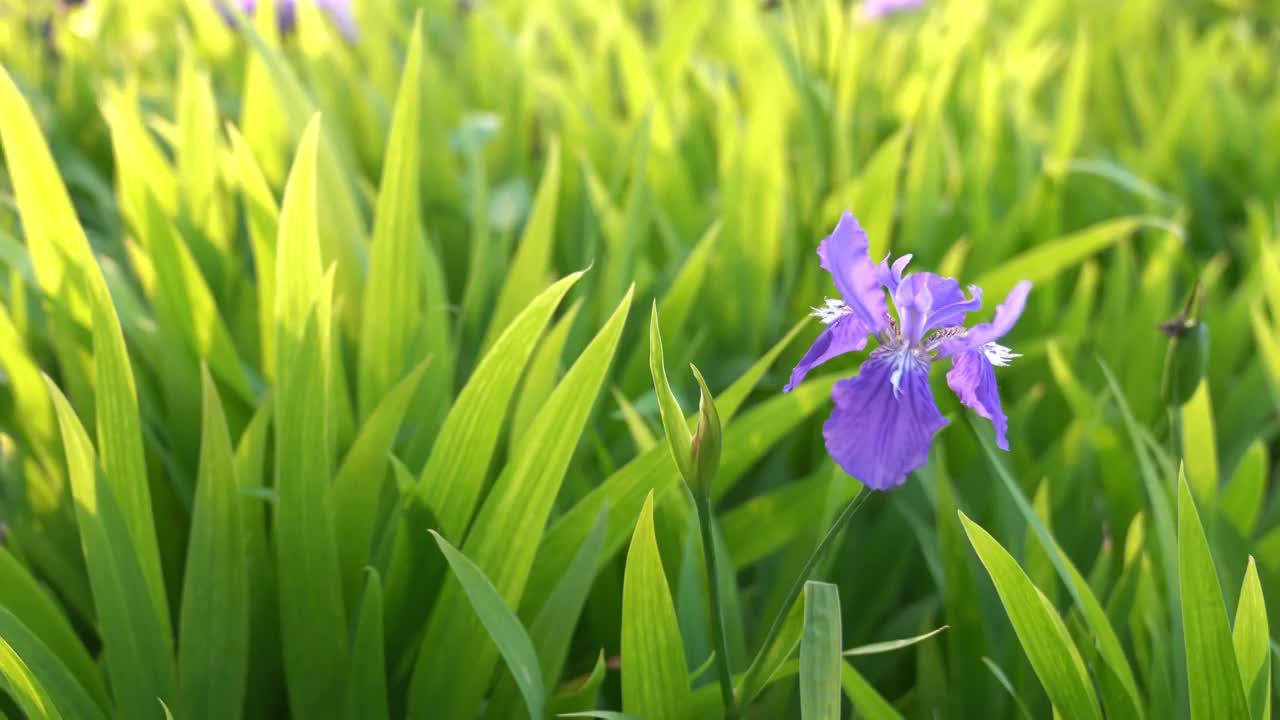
[1007, 314]
[844, 335]
[973, 378]
[891, 276]
[926, 301]
[877, 434]
[844, 255]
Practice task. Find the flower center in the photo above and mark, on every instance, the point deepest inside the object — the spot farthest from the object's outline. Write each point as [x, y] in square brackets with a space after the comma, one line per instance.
[831, 311]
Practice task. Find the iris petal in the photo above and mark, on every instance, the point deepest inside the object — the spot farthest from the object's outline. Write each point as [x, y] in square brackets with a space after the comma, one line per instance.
[973, 378]
[879, 435]
[844, 335]
[844, 255]
[1007, 314]
[926, 301]
[891, 276]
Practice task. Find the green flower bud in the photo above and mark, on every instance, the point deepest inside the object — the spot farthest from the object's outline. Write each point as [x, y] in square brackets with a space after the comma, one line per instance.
[1187, 359]
[1185, 364]
[707, 441]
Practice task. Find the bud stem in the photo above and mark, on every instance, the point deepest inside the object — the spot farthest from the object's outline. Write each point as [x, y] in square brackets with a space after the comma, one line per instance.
[703, 502]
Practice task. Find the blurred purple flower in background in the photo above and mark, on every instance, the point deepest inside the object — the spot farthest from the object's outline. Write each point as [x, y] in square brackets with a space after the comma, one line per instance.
[287, 13]
[877, 9]
[885, 417]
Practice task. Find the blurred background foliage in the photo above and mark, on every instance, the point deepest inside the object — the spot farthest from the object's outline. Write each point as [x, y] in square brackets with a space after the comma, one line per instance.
[693, 153]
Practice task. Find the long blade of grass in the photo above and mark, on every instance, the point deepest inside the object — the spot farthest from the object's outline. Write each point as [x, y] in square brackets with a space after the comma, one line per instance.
[135, 635]
[1213, 675]
[391, 293]
[502, 625]
[312, 613]
[655, 678]
[213, 663]
[507, 531]
[37, 678]
[820, 663]
[1040, 630]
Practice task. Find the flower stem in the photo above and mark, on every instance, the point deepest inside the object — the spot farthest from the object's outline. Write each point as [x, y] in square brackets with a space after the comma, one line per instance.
[798, 586]
[703, 501]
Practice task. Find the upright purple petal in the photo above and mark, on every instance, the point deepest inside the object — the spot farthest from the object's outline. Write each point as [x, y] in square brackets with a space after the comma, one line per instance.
[845, 335]
[877, 434]
[1007, 314]
[973, 378]
[844, 255]
[926, 301]
[891, 276]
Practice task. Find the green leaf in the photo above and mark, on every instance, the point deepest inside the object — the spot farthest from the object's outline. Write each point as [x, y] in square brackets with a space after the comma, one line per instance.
[360, 484]
[676, 304]
[603, 715]
[655, 678]
[581, 694]
[1251, 639]
[1108, 642]
[767, 523]
[213, 662]
[553, 628]
[454, 476]
[341, 233]
[1003, 679]
[746, 440]
[391, 293]
[864, 698]
[1040, 630]
[1213, 675]
[262, 218]
[69, 275]
[679, 438]
[502, 625]
[37, 678]
[891, 645]
[532, 261]
[135, 635]
[33, 606]
[1199, 444]
[504, 539]
[1047, 259]
[367, 683]
[774, 664]
[820, 663]
[312, 612]
[544, 370]
[1243, 498]
[189, 301]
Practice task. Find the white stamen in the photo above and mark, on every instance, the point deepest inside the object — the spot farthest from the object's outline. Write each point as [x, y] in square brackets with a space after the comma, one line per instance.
[999, 355]
[831, 311]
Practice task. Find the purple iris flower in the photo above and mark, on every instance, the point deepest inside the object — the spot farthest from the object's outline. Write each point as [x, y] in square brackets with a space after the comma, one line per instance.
[287, 13]
[885, 417]
[877, 9]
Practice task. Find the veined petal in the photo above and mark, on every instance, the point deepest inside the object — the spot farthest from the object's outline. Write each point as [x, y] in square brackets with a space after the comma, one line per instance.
[844, 255]
[877, 433]
[891, 276]
[973, 378]
[844, 335]
[926, 301]
[1007, 314]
